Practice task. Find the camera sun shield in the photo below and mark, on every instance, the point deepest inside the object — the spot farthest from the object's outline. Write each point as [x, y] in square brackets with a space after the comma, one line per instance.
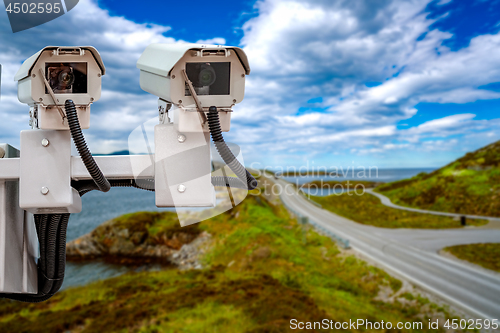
[71, 73]
[217, 73]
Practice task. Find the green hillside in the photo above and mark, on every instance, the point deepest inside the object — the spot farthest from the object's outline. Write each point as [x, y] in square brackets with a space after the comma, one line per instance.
[470, 185]
[483, 254]
[262, 270]
[367, 209]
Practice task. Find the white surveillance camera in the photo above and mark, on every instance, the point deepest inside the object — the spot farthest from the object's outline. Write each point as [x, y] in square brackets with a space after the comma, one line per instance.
[216, 74]
[55, 74]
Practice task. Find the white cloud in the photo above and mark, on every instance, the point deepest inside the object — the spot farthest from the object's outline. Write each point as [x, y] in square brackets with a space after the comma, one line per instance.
[437, 125]
[300, 50]
[213, 41]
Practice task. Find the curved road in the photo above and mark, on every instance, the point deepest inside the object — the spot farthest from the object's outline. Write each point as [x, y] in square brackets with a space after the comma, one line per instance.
[494, 221]
[412, 254]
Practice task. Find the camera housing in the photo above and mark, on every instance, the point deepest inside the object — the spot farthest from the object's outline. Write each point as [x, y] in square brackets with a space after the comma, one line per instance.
[71, 72]
[217, 73]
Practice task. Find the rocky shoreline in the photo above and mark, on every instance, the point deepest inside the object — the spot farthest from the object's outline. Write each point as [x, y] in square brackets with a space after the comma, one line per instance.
[147, 238]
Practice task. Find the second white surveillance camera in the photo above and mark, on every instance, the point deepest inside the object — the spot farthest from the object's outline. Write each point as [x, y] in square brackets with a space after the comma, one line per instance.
[216, 74]
[55, 74]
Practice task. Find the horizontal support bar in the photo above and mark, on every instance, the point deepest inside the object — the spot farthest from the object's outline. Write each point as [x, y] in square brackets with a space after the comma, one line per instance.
[113, 167]
[116, 167]
[9, 168]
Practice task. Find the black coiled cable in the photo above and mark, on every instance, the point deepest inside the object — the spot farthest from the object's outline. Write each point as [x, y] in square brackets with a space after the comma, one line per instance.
[79, 140]
[224, 181]
[51, 229]
[85, 186]
[245, 179]
[61, 253]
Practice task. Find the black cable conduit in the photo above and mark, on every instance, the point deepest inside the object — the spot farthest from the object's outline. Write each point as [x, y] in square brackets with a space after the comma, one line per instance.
[245, 179]
[81, 146]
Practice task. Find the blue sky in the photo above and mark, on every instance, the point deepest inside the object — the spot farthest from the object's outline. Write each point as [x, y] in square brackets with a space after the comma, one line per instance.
[336, 83]
[207, 19]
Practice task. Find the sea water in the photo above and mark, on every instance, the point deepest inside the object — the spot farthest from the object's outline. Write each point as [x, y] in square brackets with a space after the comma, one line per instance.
[99, 207]
[373, 175]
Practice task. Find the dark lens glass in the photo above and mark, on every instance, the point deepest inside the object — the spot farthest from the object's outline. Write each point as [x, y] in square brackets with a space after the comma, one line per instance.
[207, 75]
[67, 78]
[209, 78]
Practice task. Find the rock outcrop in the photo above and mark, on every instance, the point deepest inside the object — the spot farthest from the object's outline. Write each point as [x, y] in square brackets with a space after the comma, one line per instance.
[142, 238]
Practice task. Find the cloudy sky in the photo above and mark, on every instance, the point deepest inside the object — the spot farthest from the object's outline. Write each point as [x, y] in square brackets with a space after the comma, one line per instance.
[337, 83]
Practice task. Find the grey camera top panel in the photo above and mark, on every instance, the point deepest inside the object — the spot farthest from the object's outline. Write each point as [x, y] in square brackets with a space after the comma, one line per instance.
[7, 151]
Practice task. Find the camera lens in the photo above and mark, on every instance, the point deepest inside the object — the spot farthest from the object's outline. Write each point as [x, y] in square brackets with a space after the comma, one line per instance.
[66, 78]
[207, 75]
[209, 78]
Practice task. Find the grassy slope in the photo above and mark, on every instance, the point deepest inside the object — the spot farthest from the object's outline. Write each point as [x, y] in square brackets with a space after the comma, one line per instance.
[484, 254]
[147, 228]
[368, 209]
[263, 271]
[332, 184]
[470, 185]
[152, 226]
[131, 238]
[307, 173]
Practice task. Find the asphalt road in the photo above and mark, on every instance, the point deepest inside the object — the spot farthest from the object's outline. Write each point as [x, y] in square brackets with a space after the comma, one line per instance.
[412, 254]
[494, 221]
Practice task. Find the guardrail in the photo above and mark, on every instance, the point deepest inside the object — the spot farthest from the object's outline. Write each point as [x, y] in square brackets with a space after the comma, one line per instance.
[344, 243]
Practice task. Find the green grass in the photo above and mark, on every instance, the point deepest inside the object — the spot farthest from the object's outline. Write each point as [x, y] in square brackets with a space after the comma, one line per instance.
[332, 184]
[470, 185]
[299, 173]
[367, 209]
[263, 270]
[152, 228]
[484, 254]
